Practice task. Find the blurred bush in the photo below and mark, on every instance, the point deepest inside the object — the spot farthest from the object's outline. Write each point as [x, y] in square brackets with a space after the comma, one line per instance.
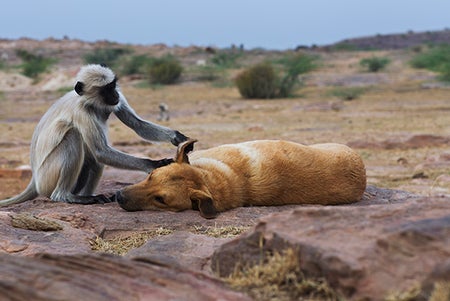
[265, 81]
[33, 65]
[207, 73]
[436, 59]
[258, 81]
[294, 66]
[374, 64]
[135, 64]
[166, 70]
[226, 58]
[106, 56]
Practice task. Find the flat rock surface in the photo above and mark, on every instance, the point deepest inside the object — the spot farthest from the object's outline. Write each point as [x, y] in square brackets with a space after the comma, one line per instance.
[181, 248]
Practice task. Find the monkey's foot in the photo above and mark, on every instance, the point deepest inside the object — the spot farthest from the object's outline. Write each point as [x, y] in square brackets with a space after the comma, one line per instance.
[89, 200]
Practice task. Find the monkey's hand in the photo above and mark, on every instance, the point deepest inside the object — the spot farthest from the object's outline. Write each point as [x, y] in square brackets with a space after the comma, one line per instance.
[179, 137]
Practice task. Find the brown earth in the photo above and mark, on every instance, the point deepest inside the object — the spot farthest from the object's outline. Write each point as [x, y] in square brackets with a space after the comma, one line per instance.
[400, 125]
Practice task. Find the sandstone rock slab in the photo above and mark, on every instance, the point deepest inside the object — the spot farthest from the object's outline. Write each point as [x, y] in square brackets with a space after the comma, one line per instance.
[103, 277]
[82, 223]
[182, 248]
[363, 252]
[26, 242]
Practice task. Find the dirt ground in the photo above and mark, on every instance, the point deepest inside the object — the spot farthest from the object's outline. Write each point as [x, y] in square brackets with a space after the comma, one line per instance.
[397, 104]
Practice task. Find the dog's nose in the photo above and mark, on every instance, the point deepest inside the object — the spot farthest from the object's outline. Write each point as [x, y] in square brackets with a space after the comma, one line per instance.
[124, 203]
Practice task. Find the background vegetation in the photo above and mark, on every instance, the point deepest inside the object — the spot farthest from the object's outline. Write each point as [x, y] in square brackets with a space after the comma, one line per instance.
[134, 64]
[266, 81]
[436, 59]
[374, 64]
[33, 65]
[166, 70]
[107, 56]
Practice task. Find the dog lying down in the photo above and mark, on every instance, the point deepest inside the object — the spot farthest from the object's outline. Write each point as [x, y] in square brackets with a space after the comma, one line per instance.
[254, 173]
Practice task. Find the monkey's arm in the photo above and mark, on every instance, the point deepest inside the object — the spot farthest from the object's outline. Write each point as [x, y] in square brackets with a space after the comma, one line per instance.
[116, 158]
[98, 145]
[145, 129]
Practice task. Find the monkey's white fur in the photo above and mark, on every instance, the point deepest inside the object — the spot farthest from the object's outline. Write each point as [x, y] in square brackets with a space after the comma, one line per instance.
[95, 76]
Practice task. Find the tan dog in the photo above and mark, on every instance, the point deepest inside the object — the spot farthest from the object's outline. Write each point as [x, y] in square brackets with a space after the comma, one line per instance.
[255, 173]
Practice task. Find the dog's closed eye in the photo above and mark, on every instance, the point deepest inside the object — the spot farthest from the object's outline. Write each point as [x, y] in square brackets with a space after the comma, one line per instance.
[159, 199]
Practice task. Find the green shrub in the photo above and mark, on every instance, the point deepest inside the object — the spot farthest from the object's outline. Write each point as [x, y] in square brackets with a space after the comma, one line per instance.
[445, 72]
[33, 65]
[294, 66]
[136, 64]
[166, 70]
[374, 64]
[259, 81]
[225, 59]
[263, 81]
[433, 58]
[207, 73]
[107, 56]
[436, 59]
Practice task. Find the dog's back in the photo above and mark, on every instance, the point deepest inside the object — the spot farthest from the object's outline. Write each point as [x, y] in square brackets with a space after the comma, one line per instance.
[267, 172]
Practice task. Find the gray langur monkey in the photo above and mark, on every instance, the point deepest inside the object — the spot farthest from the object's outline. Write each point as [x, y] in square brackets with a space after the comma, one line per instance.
[70, 147]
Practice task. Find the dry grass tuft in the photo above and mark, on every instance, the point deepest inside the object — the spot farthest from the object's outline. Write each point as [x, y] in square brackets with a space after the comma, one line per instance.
[222, 232]
[408, 295]
[279, 278]
[441, 292]
[121, 245]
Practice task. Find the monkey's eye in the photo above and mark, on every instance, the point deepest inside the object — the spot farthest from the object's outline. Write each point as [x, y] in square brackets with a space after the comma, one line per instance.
[159, 199]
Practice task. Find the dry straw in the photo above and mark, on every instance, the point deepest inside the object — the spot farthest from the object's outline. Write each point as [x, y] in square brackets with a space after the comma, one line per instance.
[279, 278]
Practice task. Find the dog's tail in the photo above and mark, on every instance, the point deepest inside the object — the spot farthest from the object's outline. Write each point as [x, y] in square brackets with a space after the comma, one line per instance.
[28, 194]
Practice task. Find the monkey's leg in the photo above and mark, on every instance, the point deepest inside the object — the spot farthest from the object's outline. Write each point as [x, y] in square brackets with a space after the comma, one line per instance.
[82, 178]
[68, 159]
[89, 176]
[93, 177]
[87, 182]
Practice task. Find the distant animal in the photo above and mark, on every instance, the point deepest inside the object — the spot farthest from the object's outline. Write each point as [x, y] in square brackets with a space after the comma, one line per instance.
[164, 114]
[254, 173]
[70, 147]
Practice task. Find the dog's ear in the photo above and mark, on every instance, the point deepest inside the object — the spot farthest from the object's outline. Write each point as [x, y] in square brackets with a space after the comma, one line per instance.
[203, 202]
[183, 149]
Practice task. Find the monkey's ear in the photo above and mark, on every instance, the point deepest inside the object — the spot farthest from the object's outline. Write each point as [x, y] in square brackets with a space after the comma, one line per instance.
[79, 88]
[183, 149]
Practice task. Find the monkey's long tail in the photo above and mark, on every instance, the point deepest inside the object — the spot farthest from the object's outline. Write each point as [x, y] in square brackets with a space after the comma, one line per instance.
[28, 194]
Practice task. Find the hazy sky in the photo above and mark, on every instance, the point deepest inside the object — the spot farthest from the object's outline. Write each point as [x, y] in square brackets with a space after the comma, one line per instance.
[277, 24]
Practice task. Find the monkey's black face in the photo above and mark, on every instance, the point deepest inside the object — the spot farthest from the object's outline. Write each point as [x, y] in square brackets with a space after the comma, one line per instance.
[109, 93]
